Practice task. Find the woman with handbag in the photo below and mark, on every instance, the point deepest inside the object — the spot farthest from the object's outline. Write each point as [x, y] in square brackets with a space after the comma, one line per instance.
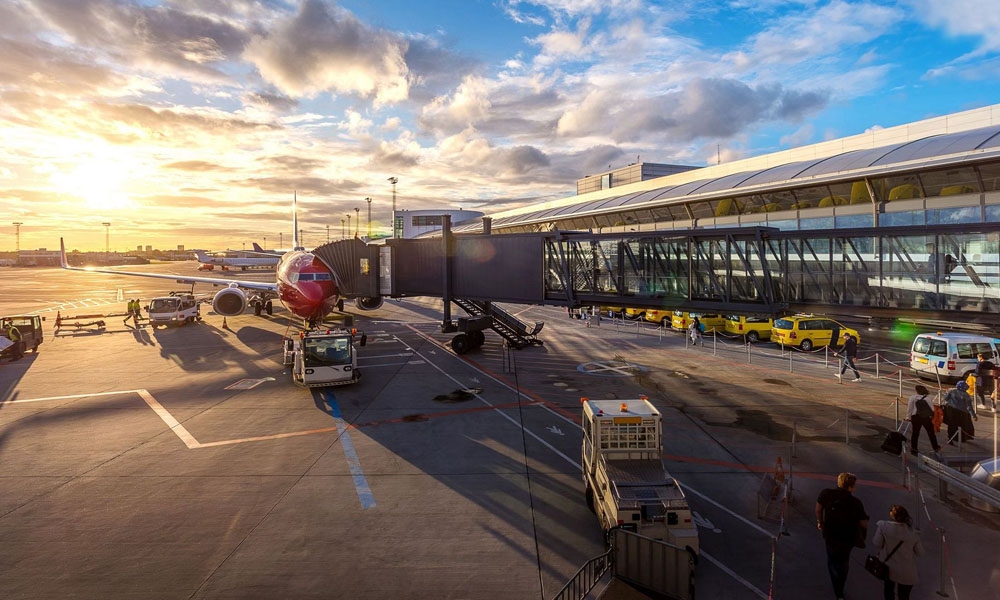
[899, 546]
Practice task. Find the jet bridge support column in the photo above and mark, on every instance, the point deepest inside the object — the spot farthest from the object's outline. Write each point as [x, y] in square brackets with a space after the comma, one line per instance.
[447, 325]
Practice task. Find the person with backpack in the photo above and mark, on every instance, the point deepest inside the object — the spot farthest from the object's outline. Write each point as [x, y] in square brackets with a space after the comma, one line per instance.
[959, 412]
[920, 413]
[842, 519]
[984, 381]
[695, 329]
[898, 547]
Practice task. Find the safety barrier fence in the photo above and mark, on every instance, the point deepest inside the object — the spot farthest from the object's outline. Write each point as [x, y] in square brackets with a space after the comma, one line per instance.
[586, 578]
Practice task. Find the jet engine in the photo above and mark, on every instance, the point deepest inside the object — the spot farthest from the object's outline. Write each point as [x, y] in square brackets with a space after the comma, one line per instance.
[368, 303]
[229, 302]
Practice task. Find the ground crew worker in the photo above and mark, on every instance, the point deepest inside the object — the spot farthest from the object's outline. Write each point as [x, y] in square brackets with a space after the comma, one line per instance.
[128, 311]
[15, 336]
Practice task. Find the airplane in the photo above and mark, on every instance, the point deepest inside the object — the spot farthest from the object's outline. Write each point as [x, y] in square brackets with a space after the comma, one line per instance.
[303, 284]
[258, 250]
[243, 262]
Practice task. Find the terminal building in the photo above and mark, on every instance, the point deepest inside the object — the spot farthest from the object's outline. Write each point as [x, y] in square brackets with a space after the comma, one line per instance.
[896, 222]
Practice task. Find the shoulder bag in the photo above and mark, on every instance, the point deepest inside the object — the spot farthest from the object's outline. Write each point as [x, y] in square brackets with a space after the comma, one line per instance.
[877, 567]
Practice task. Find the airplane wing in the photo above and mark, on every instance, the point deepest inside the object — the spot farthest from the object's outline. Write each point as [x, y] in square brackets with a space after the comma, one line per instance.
[249, 285]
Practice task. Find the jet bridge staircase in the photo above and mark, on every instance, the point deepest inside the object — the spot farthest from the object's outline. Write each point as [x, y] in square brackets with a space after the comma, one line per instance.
[484, 315]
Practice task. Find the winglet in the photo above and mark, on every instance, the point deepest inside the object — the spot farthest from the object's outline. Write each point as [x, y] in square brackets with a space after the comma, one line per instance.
[62, 254]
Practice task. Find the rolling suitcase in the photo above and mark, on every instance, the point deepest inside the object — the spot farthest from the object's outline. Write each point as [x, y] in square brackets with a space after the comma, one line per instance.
[894, 440]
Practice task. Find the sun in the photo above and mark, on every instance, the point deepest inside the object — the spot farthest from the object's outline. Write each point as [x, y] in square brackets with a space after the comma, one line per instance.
[101, 185]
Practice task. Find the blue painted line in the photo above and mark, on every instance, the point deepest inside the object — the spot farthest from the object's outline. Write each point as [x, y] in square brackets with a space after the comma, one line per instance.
[360, 482]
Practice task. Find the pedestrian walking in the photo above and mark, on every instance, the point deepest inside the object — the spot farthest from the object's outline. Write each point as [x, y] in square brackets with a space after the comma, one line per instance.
[898, 547]
[695, 329]
[985, 383]
[136, 312]
[959, 412]
[129, 312]
[850, 352]
[842, 519]
[920, 413]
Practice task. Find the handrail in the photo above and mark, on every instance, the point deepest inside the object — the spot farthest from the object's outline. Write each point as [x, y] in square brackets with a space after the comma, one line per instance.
[587, 577]
[960, 480]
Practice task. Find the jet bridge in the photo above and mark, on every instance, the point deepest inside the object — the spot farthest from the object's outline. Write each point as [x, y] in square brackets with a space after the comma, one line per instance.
[947, 272]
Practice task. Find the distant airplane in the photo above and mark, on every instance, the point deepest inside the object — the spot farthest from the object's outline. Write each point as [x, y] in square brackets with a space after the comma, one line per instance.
[243, 263]
[257, 249]
[304, 285]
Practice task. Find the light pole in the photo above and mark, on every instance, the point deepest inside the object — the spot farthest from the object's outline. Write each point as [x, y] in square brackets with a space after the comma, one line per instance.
[107, 239]
[369, 218]
[348, 223]
[265, 242]
[393, 181]
[357, 220]
[327, 234]
[343, 232]
[281, 240]
[17, 236]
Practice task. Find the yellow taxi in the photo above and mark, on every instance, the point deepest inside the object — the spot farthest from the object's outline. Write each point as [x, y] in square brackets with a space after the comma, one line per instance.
[659, 316]
[810, 331]
[680, 320]
[753, 329]
[635, 313]
[613, 311]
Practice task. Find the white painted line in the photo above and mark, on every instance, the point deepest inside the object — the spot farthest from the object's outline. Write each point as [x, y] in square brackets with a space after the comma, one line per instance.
[503, 414]
[731, 573]
[169, 419]
[723, 508]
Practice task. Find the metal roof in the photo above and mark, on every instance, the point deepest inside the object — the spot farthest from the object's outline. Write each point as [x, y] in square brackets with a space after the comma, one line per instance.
[927, 151]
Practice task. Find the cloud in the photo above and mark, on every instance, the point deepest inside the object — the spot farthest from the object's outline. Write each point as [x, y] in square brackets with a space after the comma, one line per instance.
[961, 18]
[323, 48]
[198, 166]
[716, 108]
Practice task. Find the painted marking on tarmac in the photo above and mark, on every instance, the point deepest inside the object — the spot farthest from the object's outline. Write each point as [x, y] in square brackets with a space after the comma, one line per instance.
[729, 512]
[611, 368]
[732, 574]
[353, 463]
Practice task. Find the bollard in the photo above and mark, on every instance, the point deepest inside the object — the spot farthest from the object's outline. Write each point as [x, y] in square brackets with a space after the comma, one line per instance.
[715, 342]
[826, 357]
[897, 413]
[789, 361]
[944, 568]
[840, 368]
[749, 349]
[876, 365]
[900, 383]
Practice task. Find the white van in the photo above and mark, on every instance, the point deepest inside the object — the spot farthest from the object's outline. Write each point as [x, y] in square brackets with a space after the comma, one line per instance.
[949, 356]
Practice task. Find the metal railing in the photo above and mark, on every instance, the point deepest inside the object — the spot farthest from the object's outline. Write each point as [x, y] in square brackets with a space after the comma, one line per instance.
[947, 476]
[587, 577]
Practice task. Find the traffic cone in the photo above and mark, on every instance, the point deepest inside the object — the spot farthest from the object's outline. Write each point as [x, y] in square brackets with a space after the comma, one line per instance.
[224, 324]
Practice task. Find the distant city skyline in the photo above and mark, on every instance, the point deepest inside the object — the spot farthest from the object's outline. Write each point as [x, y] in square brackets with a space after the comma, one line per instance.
[195, 123]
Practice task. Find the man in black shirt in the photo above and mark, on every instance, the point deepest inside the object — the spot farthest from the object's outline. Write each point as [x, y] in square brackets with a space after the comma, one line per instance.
[850, 352]
[844, 523]
[984, 382]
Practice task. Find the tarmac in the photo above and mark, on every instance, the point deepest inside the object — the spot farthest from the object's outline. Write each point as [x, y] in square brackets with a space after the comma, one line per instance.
[184, 463]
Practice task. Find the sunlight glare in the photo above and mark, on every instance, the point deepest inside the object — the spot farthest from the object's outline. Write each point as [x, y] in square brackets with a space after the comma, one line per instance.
[98, 183]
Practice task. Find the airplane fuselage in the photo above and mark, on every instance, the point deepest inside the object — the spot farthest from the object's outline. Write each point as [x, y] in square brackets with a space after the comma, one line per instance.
[306, 286]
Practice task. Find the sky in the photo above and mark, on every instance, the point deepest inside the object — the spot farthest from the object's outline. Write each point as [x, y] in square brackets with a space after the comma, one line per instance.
[194, 122]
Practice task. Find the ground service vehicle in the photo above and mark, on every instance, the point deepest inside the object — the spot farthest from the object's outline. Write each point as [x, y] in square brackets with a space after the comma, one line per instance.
[753, 329]
[30, 328]
[626, 483]
[176, 309]
[950, 356]
[323, 357]
[810, 331]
